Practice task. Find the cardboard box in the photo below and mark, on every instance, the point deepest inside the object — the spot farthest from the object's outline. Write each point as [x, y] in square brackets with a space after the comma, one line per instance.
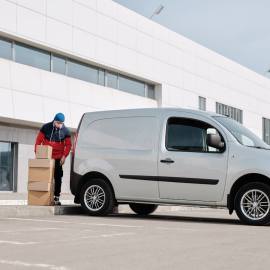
[40, 186]
[43, 152]
[41, 163]
[40, 198]
[41, 170]
[41, 182]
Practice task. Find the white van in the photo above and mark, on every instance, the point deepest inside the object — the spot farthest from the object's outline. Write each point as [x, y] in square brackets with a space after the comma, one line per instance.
[151, 157]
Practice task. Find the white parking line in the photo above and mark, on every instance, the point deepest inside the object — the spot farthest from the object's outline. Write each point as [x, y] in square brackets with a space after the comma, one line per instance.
[17, 243]
[97, 236]
[107, 235]
[38, 265]
[30, 230]
[176, 229]
[76, 223]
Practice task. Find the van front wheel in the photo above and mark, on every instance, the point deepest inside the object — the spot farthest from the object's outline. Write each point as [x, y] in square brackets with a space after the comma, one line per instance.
[97, 197]
[143, 209]
[252, 203]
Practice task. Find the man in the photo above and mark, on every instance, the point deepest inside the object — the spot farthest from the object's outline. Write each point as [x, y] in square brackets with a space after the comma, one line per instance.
[58, 136]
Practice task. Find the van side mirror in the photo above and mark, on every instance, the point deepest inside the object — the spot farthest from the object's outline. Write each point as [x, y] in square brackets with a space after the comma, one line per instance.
[214, 140]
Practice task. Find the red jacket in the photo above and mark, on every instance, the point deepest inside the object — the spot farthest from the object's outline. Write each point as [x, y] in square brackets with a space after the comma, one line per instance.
[59, 139]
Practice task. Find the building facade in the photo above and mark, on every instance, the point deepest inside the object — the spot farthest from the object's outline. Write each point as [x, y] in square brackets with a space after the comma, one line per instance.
[76, 56]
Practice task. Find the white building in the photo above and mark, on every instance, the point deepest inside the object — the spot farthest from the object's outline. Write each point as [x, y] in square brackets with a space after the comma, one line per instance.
[74, 56]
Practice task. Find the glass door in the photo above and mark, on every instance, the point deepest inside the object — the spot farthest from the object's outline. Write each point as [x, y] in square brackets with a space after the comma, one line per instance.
[6, 166]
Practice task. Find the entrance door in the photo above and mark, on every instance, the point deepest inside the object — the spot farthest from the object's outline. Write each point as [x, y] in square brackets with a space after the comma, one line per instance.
[6, 166]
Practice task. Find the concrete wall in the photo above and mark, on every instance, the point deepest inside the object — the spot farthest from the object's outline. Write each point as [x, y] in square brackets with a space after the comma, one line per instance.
[35, 95]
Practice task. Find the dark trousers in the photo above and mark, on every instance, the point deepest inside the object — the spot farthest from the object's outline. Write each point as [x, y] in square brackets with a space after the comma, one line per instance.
[58, 174]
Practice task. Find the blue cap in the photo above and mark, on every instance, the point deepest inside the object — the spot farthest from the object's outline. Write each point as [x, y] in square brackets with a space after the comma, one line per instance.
[59, 117]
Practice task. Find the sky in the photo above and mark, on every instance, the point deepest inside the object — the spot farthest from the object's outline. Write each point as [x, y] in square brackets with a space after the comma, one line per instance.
[237, 29]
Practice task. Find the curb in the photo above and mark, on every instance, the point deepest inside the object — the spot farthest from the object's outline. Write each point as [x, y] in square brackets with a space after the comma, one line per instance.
[24, 202]
[8, 211]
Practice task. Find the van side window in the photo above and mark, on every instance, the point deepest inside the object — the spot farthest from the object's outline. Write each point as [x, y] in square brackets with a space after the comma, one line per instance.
[189, 135]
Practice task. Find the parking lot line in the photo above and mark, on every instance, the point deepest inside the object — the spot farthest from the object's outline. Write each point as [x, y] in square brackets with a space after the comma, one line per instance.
[176, 229]
[77, 223]
[30, 230]
[17, 243]
[36, 265]
[107, 235]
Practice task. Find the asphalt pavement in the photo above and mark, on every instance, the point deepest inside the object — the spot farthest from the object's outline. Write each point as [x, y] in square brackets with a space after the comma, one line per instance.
[183, 239]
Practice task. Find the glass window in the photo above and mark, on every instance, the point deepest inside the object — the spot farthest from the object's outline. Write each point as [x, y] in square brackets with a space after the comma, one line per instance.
[82, 72]
[93, 76]
[112, 80]
[189, 135]
[6, 166]
[202, 103]
[39, 58]
[5, 49]
[230, 111]
[266, 130]
[242, 134]
[58, 64]
[101, 77]
[150, 91]
[131, 86]
[32, 57]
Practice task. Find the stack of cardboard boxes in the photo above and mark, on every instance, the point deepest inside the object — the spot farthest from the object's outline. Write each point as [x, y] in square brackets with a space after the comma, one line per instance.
[41, 177]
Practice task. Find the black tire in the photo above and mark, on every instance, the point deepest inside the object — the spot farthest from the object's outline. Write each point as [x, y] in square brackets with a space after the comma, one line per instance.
[243, 213]
[143, 209]
[108, 200]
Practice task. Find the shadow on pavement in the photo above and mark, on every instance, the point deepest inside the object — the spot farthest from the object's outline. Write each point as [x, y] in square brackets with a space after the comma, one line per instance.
[173, 218]
[162, 217]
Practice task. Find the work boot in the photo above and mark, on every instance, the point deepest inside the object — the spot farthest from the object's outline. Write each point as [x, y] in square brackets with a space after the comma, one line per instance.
[56, 201]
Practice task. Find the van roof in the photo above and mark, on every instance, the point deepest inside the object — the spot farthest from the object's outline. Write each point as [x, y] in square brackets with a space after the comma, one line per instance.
[154, 111]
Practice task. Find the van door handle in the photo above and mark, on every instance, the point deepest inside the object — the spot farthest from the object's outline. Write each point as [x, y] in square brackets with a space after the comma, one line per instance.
[167, 160]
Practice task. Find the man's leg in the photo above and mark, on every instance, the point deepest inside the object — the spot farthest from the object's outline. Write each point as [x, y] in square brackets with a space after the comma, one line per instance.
[58, 173]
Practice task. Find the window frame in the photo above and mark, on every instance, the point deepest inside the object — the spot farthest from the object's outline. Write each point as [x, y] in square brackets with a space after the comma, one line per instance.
[202, 101]
[265, 138]
[80, 65]
[14, 153]
[147, 86]
[54, 55]
[32, 49]
[69, 59]
[11, 48]
[129, 80]
[230, 111]
[108, 73]
[188, 151]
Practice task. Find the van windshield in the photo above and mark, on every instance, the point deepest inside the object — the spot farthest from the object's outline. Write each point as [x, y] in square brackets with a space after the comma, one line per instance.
[242, 134]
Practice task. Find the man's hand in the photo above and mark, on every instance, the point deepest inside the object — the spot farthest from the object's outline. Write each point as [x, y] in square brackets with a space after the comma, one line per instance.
[62, 160]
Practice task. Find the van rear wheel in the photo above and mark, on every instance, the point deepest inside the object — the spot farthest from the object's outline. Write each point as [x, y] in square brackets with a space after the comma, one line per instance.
[252, 203]
[97, 197]
[143, 209]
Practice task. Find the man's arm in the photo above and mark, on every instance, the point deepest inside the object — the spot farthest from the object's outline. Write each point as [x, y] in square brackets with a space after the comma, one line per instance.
[67, 146]
[39, 139]
[66, 150]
